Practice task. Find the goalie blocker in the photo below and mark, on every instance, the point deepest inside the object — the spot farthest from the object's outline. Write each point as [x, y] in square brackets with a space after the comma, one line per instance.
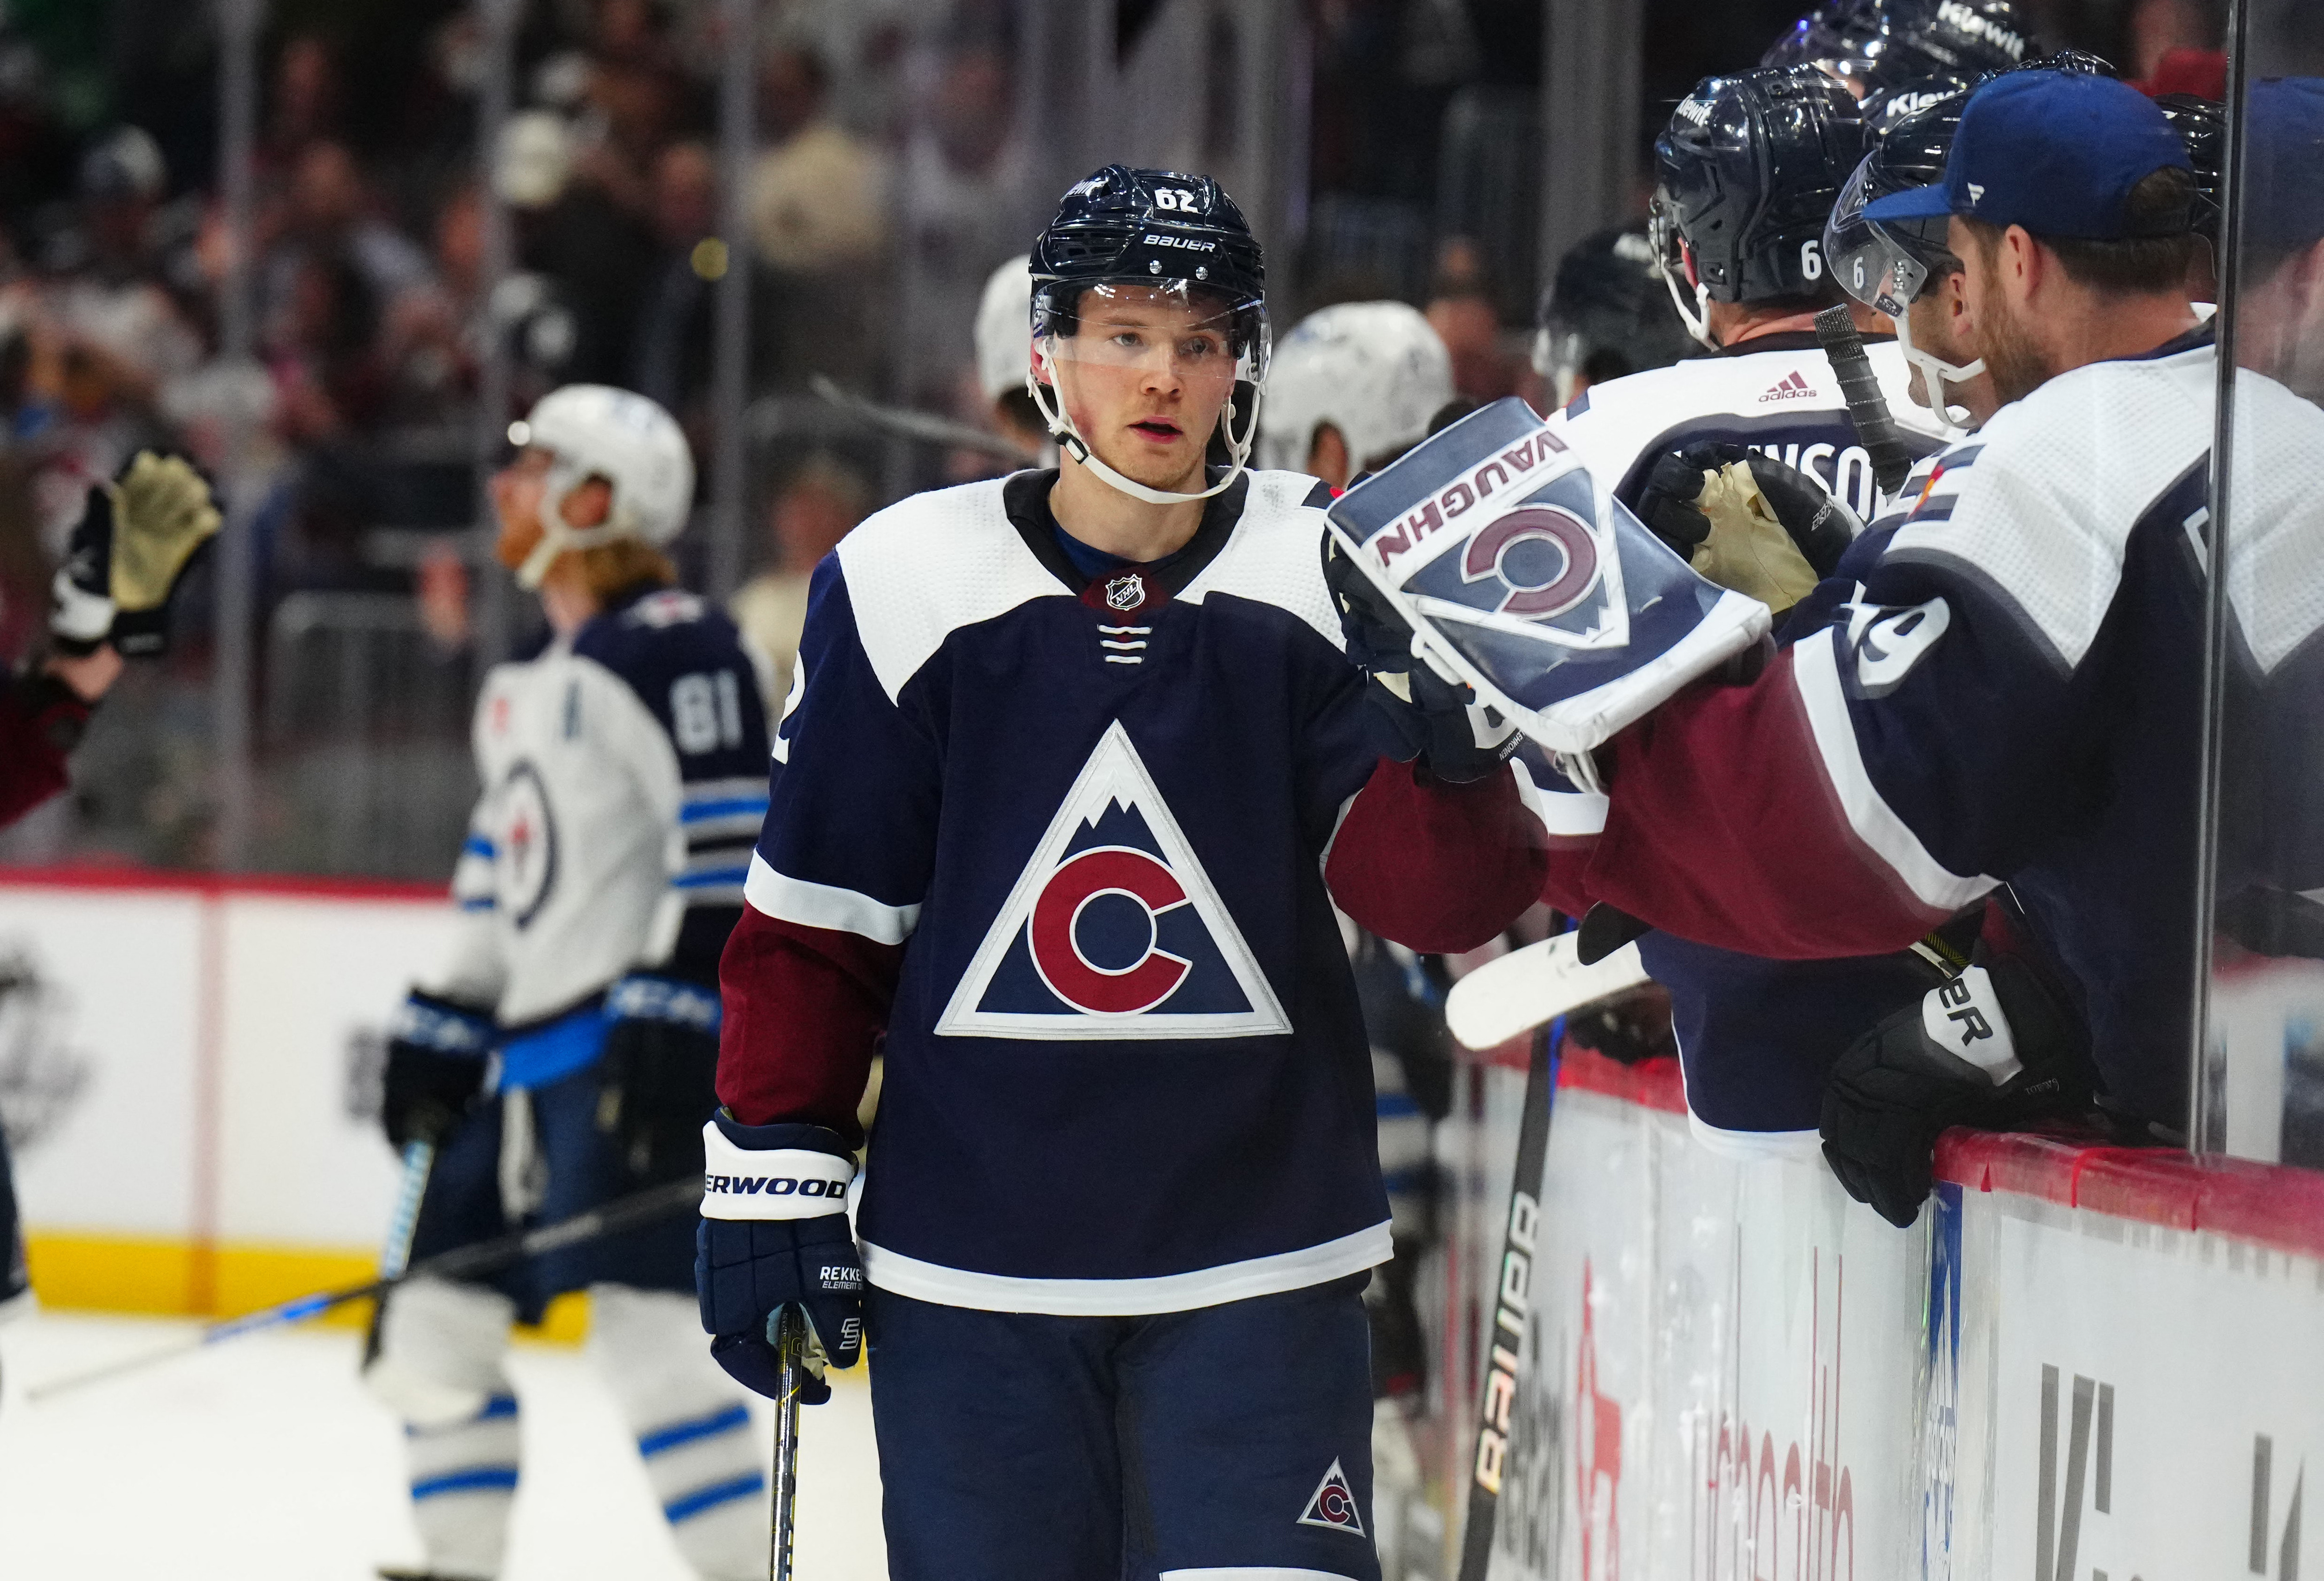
[1526, 582]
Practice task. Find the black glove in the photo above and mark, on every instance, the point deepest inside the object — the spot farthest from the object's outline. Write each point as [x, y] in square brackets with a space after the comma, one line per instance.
[1994, 1047]
[1672, 504]
[436, 1052]
[774, 1234]
[659, 1077]
[80, 598]
[1630, 1028]
[1412, 711]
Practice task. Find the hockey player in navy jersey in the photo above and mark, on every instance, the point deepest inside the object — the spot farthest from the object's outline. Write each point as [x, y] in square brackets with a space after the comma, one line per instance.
[1749, 170]
[2012, 693]
[1075, 772]
[565, 1055]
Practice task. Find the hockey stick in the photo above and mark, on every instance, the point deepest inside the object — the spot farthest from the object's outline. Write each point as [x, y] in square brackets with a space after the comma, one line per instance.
[1515, 993]
[787, 1331]
[624, 1213]
[404, 1224]
[1508, 1354]
[925, 426]
[1867, 408]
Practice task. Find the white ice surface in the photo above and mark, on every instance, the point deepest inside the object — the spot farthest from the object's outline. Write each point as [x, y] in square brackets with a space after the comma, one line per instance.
[263, 1460]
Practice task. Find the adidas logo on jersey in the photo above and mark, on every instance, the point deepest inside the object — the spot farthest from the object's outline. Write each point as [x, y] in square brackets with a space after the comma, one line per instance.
[1333, 1504]
[1113, 929]
[1792, 386]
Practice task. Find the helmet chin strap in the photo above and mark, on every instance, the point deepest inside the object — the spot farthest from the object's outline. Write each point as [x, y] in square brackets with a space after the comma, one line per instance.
[1071, 443]
[1697, 318]
[1936, 374]
[557, 537]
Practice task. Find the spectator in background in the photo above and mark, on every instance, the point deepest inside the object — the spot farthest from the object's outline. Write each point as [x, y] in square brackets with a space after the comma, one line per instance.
[305, 108]
[328, 214]
[1460, 310]
[2174, 49]
[963, 210]
[109, 299]
[819, 196]
[815, 508]
[672, 363]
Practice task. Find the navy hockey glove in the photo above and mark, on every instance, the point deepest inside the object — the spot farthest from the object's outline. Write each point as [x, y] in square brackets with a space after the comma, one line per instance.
[774, 1234]
[1993, 1047]
[658, 1080]
[436, 1051]
[1412, 711]
[1747, 521]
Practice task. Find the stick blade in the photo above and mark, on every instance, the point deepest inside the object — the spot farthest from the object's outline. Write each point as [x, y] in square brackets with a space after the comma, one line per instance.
[1510, 996]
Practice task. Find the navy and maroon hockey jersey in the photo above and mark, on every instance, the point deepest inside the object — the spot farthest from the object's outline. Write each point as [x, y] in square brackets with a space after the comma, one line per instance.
[2011, 692]
[1074, 844]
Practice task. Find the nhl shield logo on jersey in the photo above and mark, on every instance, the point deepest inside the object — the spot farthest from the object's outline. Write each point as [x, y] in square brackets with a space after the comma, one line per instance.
[1113, 929]
[1126, 591]
[1333, 1504]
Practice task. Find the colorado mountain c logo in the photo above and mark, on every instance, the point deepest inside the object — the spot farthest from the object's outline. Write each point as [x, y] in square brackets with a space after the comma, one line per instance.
[1333, 1504]
[1113, 929]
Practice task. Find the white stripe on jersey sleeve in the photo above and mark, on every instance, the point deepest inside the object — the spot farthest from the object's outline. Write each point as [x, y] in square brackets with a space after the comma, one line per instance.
[1566, 814]
[1815, 672]
[824, 905]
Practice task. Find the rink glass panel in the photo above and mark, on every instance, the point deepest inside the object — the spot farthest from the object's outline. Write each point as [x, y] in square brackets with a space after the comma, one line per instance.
[2259, 1087]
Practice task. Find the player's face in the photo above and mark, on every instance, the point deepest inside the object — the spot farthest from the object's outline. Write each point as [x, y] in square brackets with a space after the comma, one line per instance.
[1993, 296]
[1144, 379]
[517, 489]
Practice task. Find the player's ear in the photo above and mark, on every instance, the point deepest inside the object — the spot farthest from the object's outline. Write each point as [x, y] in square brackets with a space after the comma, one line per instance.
[1041, 364]
[589, 503]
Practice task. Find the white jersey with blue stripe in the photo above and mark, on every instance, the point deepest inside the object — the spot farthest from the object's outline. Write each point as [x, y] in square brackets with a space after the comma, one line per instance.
[625, 785]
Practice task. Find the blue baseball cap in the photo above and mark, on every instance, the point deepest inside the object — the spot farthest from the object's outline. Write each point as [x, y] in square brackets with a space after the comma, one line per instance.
[2055, 152]
[2284, 137]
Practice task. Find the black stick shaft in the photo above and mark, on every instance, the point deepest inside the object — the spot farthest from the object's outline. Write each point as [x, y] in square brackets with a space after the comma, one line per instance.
[1506, 1350]
[1867, 408]
[624, 1213]
[791, 1366]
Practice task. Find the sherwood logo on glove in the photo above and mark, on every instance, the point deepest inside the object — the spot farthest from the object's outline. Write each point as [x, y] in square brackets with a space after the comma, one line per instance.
[774, 1182]
[773, 1186]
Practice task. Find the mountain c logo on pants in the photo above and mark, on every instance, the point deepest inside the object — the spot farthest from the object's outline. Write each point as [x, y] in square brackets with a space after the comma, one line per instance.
[1333, 1504]
[1113, 929]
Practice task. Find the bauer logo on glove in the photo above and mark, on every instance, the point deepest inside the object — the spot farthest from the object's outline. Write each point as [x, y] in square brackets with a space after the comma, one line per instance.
[1523, 579]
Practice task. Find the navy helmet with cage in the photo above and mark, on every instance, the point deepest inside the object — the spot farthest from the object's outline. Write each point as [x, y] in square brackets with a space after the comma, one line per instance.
[1746, 174]
[1162, 230]
[1878, 44]
[2202, 124]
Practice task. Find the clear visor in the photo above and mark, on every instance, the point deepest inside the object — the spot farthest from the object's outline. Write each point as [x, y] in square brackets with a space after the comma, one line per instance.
[1881, 265]
[1182, 329]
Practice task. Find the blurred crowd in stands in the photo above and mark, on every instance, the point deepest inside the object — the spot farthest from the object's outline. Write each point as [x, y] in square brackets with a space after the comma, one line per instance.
[891, 174]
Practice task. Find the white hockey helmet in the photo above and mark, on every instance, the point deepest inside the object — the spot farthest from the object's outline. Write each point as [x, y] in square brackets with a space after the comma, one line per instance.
[1375, 370]
[1004, 328]
[597, 431]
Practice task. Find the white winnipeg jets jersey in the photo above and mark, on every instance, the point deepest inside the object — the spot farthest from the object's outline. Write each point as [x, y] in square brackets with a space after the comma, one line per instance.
[624, 773]
[1777, 394]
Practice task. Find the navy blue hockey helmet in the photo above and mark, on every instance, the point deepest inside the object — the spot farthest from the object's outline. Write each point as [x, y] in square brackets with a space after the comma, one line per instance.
[1877, 44]
[2203, 124]
[1604, 315]
[1746, 174]
[1157, 229]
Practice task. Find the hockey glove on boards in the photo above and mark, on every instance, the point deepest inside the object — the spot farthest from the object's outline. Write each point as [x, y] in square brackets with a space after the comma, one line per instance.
[1413, 711]
[128, 554]
[1994, 1047]
[658, 1076]
[1747, 521]
[775, 1234]
[436, 1051]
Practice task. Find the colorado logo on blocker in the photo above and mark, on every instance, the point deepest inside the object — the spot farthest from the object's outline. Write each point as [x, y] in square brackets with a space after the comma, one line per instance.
[1114, 922]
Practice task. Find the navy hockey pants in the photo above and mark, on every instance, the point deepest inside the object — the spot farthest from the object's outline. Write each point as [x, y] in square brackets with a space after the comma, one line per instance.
[462, 1200]
[1228, 1442]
